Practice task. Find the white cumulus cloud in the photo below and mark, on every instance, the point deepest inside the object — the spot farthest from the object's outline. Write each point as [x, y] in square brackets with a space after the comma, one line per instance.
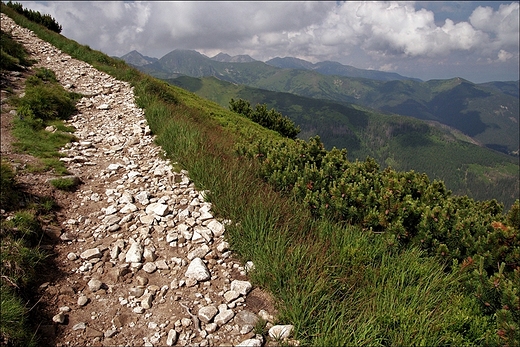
[363, 34]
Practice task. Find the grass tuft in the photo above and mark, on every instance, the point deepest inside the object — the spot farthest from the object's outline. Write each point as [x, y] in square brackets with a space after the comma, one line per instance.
[66, 183]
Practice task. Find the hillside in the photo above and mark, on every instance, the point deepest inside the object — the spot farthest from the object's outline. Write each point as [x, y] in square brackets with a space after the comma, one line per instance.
[400, 142]
[484, 112]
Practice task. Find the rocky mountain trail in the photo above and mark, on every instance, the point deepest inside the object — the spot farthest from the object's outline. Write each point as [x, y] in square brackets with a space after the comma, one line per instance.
[140, 259]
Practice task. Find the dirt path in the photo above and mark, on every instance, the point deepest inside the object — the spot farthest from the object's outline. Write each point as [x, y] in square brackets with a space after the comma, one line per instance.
[139, 257]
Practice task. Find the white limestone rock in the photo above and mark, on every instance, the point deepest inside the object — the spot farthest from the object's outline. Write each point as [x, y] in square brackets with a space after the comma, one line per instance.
[134, 254]
[207, 313]
[197, 270]
[223, 317]
[281, 332]
[157, 209]
[242, 287]
[91, 254]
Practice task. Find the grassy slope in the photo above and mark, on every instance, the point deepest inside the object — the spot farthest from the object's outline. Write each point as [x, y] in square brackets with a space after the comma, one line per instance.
[400, 142]
[336, 284]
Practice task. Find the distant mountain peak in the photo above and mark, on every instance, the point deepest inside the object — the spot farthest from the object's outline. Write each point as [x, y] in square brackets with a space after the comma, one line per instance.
[221, 57]
[290, 63]
[226, 58]
[137, 59]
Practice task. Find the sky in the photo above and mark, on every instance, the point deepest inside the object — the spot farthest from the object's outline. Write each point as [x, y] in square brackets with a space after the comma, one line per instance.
[477, 41]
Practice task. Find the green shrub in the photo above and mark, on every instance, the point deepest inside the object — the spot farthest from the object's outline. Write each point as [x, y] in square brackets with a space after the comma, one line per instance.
[46, 20]
[45, 98]
[409, 207]
[270, 119]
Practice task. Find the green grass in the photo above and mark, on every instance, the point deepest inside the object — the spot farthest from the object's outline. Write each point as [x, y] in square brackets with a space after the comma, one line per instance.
[337, 284]
[45, 103]
[14, 329]
[67, 184]
[20, 260]
[13, 55]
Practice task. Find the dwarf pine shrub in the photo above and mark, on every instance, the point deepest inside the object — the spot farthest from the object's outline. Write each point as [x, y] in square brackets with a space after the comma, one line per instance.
[270, 119]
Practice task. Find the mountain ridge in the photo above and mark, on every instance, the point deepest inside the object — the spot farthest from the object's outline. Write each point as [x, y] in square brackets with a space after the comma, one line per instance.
[325, 67]
[482, 111]
[334, 68]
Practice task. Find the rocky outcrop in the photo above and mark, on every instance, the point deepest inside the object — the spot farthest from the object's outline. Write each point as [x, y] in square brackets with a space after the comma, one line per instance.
[145, 262]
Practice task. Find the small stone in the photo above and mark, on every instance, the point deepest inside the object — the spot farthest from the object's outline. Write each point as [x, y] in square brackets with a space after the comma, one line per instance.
[147, 219]
[113, 167]
[250, 343]
[250, 266]
[172, 337]
[91, 254]
[72, 256]
[190, 282]
[281, 332]
[231, 295]
[207, 313]
[161, 264]
[59, 318]
[245, 317]
[172, 236]
[198, 270]
[126, 198]
[149, 254]
[216, 228]
[199, 252]
[211, 327]
[223, 317]
[137, 292]
[142, 281]
[223, 246]
[128, 208]
[82, 300]
[149, 267]
[110, 333]
[146, 301]
[94, 285]
[186, 322]
[157, 209]
[110, 210]
[243, 287]
[135, 253]
[246, 329]
[113, 228]
[114, 252]
[143, 197]
[138, 309]
[79, 326]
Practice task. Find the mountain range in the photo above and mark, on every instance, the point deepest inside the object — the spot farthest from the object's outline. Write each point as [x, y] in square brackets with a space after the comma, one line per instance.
[488, 112]
[175, 62]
